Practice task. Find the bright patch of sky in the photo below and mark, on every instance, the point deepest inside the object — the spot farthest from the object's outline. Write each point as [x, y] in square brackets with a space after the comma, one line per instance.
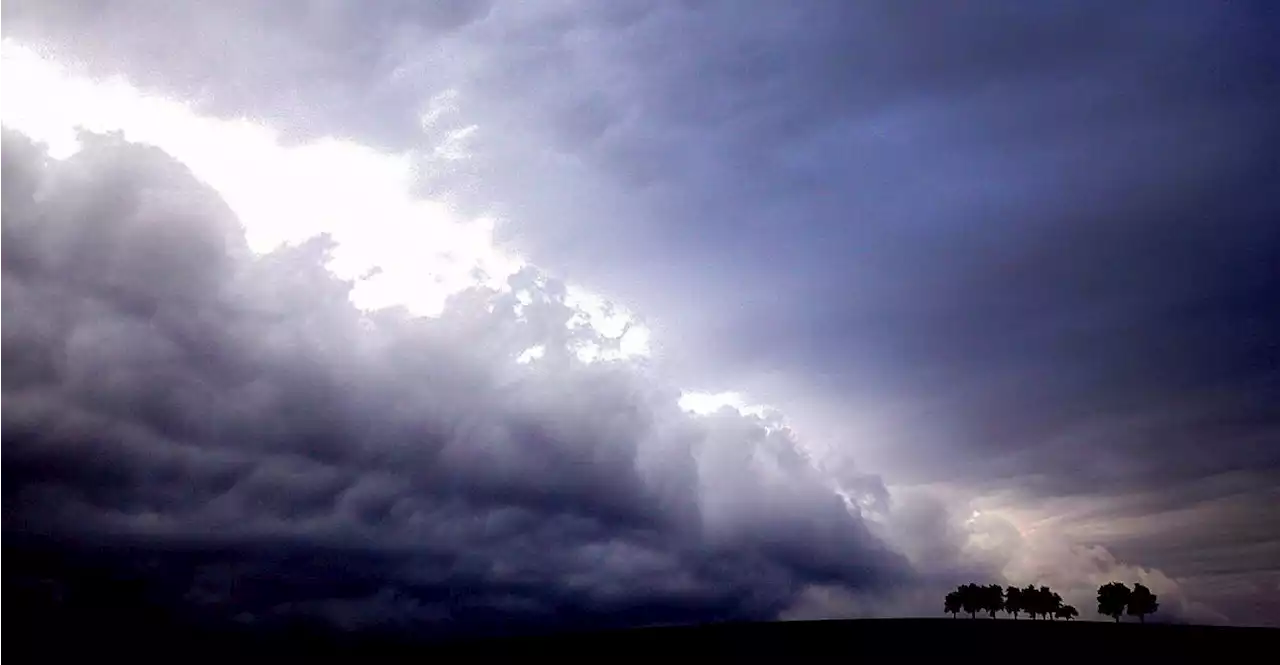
[423, 250]
[704, 403]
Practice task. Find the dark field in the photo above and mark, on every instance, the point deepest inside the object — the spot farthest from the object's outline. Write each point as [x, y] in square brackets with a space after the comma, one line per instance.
[957, 640]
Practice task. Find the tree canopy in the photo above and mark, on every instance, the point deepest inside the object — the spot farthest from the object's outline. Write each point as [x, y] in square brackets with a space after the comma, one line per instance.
[1039, 602]
[1013, 601]
[1113, 598]
[991, 599]
[952, 605]
[971, 599]
[1142, 602]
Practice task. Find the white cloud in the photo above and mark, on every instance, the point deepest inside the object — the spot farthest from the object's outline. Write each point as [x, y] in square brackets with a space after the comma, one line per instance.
[284, 194]
[705, 403]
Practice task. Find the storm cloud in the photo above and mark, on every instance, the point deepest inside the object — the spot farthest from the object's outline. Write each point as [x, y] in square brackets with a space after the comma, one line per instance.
[1025, 252]
[165, 386]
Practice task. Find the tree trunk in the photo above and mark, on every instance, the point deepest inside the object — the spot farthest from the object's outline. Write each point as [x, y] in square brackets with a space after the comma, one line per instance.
[1117, 618]
[1142, 618]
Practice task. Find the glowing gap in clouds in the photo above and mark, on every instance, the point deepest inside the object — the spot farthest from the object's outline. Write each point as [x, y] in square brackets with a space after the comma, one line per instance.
[360, 196]
[284, 195]
[703, 403]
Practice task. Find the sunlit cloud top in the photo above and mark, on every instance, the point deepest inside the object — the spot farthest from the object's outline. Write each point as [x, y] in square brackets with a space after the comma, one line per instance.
[403, 250]
[705, 403]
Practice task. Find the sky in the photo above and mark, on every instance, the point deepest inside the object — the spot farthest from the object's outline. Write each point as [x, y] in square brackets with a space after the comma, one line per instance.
[461, 315]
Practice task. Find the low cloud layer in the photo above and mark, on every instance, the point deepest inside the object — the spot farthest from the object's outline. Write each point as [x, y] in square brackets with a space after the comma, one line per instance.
[166, 389]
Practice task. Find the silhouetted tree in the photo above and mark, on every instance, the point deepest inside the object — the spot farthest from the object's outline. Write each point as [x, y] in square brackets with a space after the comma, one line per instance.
[1052, 602]
[1013, 601]
[1031, 600]
[1142, 602]
[992, 599]
[952, 605]
[971, 599]
[1113, 598]
[1037, 602]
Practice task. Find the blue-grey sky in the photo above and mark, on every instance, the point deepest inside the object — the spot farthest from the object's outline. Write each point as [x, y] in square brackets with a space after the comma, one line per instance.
[1026, 250]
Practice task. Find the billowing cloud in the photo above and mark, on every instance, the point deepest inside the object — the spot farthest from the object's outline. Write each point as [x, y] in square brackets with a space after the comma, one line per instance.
[165, 385]
[230, 428]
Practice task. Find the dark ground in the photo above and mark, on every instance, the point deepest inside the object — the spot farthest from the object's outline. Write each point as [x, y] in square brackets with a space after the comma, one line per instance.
[60, 609]
[959, 640]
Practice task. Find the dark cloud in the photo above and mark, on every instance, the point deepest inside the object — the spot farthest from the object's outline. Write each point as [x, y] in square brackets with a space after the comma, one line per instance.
[272, 451]
[1014, 246]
